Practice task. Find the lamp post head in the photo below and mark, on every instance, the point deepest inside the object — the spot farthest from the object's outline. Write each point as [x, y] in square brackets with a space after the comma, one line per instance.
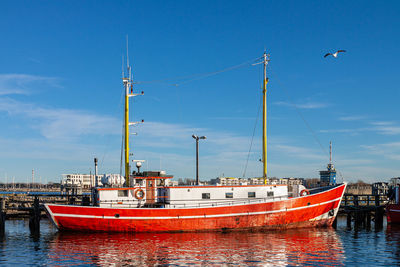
[194, 136]
[202, 137]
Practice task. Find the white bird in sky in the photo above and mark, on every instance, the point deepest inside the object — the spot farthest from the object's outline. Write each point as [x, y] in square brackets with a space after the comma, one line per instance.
[334, 54]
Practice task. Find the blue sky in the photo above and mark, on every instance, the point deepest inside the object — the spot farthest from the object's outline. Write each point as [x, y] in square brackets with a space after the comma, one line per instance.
[60, 86]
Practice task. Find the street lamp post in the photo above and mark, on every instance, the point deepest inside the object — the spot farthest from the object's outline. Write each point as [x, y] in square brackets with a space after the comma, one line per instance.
[197, 138]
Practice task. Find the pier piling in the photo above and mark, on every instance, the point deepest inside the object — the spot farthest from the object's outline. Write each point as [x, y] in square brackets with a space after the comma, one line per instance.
[34, 220]
[2, 215]
[349, 220]
[334, 224]
[362, 209]
[368, 220]
[379, 217]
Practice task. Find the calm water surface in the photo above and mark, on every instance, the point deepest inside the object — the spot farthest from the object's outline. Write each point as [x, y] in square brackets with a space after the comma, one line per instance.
[312, 247]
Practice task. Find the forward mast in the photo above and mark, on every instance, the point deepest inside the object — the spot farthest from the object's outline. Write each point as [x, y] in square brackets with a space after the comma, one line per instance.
[264, 156]
[128, 87]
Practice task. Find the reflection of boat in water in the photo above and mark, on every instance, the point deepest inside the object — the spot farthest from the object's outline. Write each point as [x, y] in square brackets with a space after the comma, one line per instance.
[291, 247]
[149, 204]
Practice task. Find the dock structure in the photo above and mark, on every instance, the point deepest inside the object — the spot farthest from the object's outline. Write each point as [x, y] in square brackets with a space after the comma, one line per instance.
[363, 209]
[31, 206]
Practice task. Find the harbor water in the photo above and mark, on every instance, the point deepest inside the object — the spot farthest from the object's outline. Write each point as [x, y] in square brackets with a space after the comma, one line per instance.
[302, 247]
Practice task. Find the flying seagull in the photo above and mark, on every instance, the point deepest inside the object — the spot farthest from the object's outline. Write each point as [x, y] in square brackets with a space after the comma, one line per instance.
[334, 54]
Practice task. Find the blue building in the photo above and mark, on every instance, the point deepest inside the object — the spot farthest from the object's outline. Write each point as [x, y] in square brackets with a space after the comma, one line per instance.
[328, 177]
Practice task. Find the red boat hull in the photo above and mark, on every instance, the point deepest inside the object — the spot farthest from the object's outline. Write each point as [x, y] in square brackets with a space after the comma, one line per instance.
[393, 213]
[315, 210]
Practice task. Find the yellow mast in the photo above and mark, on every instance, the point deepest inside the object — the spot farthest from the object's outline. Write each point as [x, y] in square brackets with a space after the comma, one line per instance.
[128, 93]
[264, 158]
[127, 83]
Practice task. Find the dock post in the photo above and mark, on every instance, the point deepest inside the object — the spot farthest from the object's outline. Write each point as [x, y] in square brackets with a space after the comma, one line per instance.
[379, 217]
[2, 215]
[349, 220]
[334, 224]
[364, 218]
[34, 220]
[377, 201]
[369, 220]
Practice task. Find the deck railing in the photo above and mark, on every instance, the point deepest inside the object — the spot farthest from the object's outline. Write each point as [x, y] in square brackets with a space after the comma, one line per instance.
[186, 203]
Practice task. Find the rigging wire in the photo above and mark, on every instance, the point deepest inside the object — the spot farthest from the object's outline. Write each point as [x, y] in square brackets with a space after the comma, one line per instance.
[255, 124]
[252, 139]
[300, 114]
[108, 139]
[198, 76]
[186, 79]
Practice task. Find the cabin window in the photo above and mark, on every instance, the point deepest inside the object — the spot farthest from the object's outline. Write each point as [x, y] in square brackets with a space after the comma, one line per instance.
[270, 193]
[229, 195]
[251, 194]
[205, 195]
[122, 193]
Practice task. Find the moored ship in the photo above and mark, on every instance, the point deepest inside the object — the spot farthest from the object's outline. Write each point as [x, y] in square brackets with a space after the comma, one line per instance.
[393, 207]
[149, 203]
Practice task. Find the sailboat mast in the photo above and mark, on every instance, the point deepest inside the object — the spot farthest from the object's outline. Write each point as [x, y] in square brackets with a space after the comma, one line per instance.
[264, 158]
[127, 84]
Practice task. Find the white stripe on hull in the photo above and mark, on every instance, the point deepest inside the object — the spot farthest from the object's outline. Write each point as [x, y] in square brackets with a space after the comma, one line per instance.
[193, 217]
[394, 210]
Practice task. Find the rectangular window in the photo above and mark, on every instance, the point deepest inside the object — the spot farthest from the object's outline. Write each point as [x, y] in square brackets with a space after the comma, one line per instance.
[229, 195]
[251, 194]
[122, 193]
[270, 193]
[205, 196]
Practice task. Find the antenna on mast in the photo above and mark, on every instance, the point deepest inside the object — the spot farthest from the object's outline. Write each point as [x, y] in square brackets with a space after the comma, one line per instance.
[127, 54]
[127, 57]
[330, 152]
[123, 73]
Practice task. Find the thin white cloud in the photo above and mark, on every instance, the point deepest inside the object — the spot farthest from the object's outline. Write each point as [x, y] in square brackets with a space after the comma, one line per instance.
[388, 130]
[382, 123]
[352, 161]
[21, 84]
[309, 105]
[298, 152]
[382, 127]
[348, 131]
[369, 174]
[352, 118]
[166, 146]
[54, 123]
[387, 150]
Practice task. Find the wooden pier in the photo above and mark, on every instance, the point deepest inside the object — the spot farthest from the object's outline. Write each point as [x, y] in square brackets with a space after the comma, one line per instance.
[23, 205]
[361, 210]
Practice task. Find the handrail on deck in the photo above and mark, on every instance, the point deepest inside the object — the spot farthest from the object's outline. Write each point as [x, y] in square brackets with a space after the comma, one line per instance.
[136, 203]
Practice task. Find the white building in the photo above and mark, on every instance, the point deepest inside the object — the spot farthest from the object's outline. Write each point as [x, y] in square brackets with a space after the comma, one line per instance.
[229, 181]
[82, 180]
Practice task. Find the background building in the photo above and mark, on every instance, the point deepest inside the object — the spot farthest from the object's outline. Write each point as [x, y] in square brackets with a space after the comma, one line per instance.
[82, 180]
[380, 188]
[328, 177]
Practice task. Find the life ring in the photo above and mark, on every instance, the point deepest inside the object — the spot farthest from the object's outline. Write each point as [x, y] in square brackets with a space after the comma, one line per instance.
[304, 192]
[139, 194]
